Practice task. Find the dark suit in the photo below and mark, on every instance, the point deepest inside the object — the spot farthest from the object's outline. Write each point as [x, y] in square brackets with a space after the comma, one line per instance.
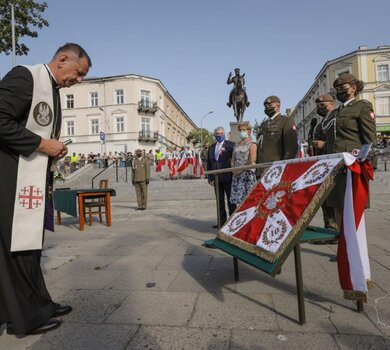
[225, 179]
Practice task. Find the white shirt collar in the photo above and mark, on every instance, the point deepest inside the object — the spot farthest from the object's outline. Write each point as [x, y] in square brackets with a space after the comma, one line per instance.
[347, 103]
[275, 115]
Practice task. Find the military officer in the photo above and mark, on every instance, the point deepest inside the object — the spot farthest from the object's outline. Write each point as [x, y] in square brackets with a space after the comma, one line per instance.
[325, 105]
[346, 129]
[140, 178]
[277, 136]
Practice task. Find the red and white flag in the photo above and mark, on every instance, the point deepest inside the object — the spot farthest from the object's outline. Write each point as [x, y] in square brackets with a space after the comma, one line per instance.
[302, 150]
[182, 164]
[198, 168]
[352, 254]
[160, 165]
[172, 167]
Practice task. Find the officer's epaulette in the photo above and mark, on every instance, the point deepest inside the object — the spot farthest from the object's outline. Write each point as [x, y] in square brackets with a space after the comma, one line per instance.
[366, 101]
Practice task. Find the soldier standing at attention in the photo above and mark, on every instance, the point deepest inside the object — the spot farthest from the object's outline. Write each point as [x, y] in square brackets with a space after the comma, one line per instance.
[325, 105]
[346, 129]
[140, 178]
[277, 137]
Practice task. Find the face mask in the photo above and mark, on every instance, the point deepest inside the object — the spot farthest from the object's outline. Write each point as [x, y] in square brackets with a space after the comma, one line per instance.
[342, 96]
[323, 111]
[270, 111]
[220, 138]
[243, 134]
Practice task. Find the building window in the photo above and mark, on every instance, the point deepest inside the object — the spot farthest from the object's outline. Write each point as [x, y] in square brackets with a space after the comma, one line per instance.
[120, 124]
[145, 126]
[382, 71]
[94, 98]
[384, 106]
[120, 99]
[70, 127]
[69, 101]
[94, 126]
[145, 98]
[342, 71]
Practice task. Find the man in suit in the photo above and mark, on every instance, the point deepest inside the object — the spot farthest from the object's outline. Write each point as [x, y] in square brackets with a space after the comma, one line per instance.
[277, 137]
[140, 178]
[219, 157]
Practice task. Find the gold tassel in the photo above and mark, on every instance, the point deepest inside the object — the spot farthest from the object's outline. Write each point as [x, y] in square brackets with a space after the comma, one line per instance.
[355, 295]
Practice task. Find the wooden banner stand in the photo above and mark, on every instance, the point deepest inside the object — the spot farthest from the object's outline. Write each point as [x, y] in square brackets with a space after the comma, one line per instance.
[311, 234]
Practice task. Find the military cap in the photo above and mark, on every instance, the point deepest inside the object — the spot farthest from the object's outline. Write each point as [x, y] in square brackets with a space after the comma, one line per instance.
[271, 99]
[138, 150]
[345, 78]
[324, 98]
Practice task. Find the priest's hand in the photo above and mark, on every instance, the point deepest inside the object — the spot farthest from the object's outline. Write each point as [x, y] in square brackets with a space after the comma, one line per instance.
[53, 148]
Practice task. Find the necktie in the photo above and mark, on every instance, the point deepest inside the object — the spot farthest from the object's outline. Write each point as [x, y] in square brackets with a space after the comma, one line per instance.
[217, 149]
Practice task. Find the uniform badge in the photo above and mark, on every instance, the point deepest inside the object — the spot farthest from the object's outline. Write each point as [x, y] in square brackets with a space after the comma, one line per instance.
[294, 128]
[43, 114]
[372, 115]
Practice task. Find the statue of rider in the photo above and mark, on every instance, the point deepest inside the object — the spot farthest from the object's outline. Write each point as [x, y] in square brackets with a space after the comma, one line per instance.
[234, 80]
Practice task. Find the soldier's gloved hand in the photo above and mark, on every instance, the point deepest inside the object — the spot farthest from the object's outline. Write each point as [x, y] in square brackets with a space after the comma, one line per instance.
[147, 182]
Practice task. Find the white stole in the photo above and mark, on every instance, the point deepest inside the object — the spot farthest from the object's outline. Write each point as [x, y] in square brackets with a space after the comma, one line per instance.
[29, 208]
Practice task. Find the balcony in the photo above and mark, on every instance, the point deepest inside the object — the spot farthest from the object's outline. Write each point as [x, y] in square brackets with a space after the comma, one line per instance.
[148, 136]
[147, 107]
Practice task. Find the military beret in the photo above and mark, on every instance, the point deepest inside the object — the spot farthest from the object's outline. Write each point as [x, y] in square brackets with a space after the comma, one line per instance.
[324, 98]
[271, 99]
[345, 78]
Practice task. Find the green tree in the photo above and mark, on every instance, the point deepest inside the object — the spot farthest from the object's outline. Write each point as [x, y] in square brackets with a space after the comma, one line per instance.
[28, 16]
[195, 137]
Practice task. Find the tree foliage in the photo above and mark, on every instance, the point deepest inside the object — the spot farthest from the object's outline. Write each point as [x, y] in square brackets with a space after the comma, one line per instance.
[195, 137]
[28, 17]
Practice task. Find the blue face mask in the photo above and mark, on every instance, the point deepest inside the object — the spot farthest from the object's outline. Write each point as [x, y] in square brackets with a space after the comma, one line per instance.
[243, 134]
[220, 138]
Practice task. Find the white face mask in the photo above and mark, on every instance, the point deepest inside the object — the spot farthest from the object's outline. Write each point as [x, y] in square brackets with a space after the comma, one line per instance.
[243, 134]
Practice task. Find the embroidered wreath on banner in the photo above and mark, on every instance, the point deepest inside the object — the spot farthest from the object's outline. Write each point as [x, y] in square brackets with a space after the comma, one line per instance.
[273, 235]
[274, 199]
[237, 223]
[272, 174]
[316, 173]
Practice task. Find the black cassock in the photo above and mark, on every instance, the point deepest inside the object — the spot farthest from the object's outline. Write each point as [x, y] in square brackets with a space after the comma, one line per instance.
[24, 299]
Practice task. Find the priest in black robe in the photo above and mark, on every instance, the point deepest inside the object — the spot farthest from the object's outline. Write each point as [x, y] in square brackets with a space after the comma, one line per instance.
[25, 304]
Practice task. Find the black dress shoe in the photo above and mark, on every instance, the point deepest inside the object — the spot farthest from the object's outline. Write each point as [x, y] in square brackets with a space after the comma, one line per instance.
[62, 309]
[46, 327]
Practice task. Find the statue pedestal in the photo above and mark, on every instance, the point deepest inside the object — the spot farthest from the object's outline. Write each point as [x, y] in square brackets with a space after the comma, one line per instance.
[234, 133]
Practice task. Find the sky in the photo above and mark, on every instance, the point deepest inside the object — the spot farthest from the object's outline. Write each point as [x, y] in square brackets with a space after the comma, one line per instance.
[192, 45]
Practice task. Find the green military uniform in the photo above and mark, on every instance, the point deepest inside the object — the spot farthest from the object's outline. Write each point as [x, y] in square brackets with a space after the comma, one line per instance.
[140, 179]
[347, 129]
[277, 140]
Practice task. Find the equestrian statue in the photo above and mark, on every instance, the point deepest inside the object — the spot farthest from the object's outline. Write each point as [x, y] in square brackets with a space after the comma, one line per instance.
[238, 97]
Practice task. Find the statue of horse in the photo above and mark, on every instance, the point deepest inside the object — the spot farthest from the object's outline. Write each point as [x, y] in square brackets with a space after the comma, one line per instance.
[239, 101]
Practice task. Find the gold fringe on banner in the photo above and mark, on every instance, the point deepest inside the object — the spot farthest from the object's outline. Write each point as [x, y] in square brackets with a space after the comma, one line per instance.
[355, 295]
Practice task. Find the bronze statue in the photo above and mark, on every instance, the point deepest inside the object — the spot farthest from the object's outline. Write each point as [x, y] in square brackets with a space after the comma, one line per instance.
[238, 97]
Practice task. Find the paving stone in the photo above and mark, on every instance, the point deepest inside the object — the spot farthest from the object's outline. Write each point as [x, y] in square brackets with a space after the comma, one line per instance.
[189, 262]
[202, 281]
[86, 279]
[143, 279]
[358, 342]
[155, 308]
[262, 340]
[180, 338]
[72, 336]
[234, 311]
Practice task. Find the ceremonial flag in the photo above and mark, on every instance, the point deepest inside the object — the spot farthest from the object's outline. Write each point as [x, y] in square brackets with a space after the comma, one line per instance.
[160, 164]
[352, 254]
[183, 164]
[280, 205]
[198, 168]
[302, 151]
[172, 167]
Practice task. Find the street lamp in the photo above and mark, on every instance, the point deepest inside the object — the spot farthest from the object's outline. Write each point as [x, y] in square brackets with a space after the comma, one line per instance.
[201, 129]
[13, 34]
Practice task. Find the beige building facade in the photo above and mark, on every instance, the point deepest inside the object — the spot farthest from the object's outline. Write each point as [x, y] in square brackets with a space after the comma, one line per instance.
[120, 114]
[372, 66]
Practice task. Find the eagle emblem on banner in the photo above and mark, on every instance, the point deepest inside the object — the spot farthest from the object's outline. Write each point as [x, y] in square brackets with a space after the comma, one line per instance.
[280, 206]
